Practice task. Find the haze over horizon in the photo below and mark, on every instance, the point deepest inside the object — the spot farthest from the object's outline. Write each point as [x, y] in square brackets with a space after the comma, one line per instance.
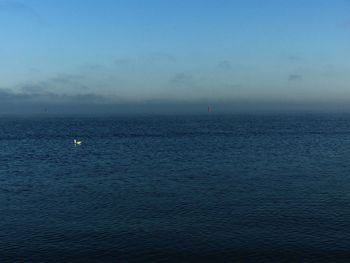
[174, 56]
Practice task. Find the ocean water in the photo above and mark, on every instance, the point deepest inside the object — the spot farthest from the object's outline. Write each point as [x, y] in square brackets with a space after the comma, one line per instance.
[273, 188]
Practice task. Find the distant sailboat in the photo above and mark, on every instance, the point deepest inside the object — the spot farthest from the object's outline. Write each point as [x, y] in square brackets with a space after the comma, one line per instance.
[209, 109]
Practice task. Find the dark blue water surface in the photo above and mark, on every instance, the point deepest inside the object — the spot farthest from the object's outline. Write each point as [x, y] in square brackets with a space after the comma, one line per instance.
[175, 189]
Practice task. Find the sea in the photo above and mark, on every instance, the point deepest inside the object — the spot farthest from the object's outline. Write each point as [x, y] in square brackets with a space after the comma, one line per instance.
[212, 188]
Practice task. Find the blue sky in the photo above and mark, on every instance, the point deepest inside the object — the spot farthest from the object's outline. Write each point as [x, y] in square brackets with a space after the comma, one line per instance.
[176, 50]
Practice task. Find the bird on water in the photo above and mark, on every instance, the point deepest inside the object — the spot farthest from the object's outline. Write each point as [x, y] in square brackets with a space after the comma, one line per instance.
[76, 142]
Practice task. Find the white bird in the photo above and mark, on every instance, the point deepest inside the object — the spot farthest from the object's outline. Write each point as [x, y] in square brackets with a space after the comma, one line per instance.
[76, 142]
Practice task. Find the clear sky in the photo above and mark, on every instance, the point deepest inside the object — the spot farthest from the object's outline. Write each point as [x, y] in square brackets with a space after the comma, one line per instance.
[136, 51]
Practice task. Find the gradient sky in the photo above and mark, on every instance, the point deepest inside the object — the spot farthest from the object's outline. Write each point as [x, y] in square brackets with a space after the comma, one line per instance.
[175, 50]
